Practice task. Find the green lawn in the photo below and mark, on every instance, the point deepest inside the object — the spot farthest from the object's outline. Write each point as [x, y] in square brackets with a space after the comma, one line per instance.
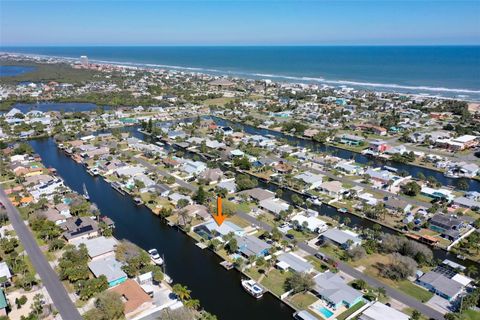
[414, 291]
[302, 300]
[274, 281]
[347, 313]
[470, 315]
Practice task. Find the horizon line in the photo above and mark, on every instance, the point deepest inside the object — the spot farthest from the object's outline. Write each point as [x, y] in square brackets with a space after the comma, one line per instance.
[236, 45]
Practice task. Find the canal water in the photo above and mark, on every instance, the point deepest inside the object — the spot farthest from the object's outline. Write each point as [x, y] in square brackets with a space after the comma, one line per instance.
[218, 290]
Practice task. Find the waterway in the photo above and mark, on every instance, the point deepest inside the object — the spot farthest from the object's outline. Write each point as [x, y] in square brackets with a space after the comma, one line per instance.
[218, 290]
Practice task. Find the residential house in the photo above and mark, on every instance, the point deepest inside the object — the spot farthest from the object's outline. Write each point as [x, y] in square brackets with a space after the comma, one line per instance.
[252, 246]
[378, 311]
[396, 204]
[274, 205]
[342, 238]
[291, 261]
[312, 180]
[100, 247]
[378, 146]
[441, 285]
[5, 274]
[211, 175]
[211, 229]
[110, 268]
[258, 194]
[193, 167]
[79, 228]
[333, 289]
[3, 303]
[332, 188]
[311, 223]
[134, 298]
[350, 139]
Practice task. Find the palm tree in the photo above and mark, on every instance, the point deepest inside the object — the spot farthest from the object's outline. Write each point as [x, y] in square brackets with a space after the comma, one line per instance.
[183, 214]
[181, 292]
[193, 304]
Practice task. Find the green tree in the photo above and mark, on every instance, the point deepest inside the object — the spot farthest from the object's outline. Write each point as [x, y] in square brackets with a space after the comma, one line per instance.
[181, 292]
[299, 282]
[108, 306]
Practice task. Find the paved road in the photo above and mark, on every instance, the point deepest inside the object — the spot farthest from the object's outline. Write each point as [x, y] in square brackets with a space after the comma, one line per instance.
[395, 294]
[49, 278]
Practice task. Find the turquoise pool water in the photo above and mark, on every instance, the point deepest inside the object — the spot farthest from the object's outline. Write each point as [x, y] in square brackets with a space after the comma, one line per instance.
[326, 313]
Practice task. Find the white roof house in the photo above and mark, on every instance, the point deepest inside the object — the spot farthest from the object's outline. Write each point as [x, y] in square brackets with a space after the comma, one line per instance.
[98, 247]
[311, 179]
[312, 223]
[292, 261]
[379, 311]
[5, 271]
[274, 205]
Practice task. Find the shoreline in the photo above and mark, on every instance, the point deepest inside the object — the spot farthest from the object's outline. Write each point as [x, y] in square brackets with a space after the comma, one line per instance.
[425, 91]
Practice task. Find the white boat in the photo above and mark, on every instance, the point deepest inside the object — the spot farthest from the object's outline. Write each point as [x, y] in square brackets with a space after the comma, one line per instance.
[253, 288]
[155, 256]
[85, 192]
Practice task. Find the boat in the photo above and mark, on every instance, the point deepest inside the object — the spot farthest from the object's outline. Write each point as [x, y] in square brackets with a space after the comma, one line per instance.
[253, 288]
[343, 210]
[118, 187]
[155, 257]
[138, 201]
[85, 192]
[93, 171]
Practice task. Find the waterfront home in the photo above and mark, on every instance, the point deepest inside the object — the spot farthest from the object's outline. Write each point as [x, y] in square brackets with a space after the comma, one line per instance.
[110, 268]
[47, 189]
[440, 285]
[349, 167]
[287, 260]
[252, 246]
[228, 185]
[197, 210]
[134, 298]
[162, 189]
[144, 179]
[382, 176]
[79, 228]
[13, 113]
[5, 274]
[312, 180]
[63, 209]
[129, 171]
[448, 226]
[193, 167]
[98, 248]
[332, 188]
[332, 288]
[378, 146]
[378, 310]
[437, 193]
[273, 205]
[466, 202]
[211, 175]
[175, 197]
[53, 215]
[311, 223]
[368, 198]
[342, 238]
[211, 229]
[350, 139]
[258, 194]
[396, 204]
[214, 144]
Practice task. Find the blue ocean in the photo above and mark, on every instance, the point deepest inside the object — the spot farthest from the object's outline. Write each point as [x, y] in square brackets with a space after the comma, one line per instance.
[452, 71]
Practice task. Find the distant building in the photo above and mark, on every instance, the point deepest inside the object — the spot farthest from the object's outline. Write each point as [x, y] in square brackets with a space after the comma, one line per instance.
[84, 61]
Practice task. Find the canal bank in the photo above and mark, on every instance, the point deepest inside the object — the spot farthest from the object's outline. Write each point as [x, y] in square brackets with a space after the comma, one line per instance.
[218, 290]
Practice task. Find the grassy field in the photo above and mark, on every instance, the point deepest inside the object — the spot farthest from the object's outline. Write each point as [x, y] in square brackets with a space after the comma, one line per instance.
[414, 290]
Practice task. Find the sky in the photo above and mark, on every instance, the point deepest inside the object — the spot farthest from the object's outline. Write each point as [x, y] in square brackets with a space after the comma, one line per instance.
[223, 22]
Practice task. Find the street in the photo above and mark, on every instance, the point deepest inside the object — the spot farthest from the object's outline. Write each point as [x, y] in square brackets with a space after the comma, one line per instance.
[49, 278]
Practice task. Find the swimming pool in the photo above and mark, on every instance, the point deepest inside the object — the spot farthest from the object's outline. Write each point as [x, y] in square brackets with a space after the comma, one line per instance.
[326, 313]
